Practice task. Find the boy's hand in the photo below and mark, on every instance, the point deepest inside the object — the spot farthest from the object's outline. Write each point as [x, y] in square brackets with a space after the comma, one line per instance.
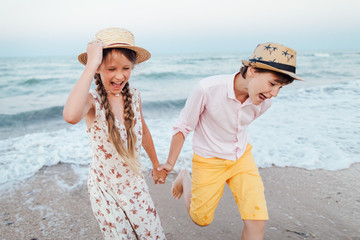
[166, 166]
[159, 176]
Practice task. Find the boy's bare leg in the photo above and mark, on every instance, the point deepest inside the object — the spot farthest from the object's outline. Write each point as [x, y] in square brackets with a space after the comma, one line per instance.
[182, 186]
[253, 229]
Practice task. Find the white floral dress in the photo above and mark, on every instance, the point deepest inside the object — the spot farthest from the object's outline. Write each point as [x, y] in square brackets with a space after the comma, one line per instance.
[120, 198]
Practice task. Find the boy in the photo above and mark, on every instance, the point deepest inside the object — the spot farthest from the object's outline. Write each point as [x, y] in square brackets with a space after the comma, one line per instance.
[219, 110]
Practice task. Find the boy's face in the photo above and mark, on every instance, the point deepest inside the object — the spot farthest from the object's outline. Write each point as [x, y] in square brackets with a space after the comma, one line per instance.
[262, 86]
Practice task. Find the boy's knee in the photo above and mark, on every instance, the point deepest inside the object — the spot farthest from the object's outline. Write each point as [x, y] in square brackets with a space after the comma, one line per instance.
[201, 220]
[201, 223]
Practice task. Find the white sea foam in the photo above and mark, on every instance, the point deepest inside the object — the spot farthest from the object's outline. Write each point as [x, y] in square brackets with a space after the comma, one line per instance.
[321, 54]
[312, 124]
[23, 156]
[311, 128]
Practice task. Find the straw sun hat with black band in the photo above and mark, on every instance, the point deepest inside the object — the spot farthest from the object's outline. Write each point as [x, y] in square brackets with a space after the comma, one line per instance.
[118, 38]
[275, 57]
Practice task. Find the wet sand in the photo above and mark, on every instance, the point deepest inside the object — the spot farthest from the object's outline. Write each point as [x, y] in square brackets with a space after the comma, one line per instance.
[303, 204]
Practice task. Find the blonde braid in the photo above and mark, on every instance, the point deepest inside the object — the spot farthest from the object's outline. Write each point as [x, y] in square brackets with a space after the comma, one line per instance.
[129, 120]
[128, 155]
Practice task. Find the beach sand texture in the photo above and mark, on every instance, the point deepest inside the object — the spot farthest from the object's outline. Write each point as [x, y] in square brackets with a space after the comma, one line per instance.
[303, 204]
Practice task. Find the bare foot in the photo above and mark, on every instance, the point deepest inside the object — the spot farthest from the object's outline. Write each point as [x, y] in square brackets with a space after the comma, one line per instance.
[177, 187]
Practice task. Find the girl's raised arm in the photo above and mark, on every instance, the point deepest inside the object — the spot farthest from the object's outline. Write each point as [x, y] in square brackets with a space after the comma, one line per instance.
[80, 101]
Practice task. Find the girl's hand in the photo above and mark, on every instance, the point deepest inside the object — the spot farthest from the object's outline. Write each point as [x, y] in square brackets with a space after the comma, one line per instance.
[159, 176]
[94, 52]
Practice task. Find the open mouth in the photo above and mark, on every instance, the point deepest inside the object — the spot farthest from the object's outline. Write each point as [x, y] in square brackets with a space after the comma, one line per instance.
[117, 85]
[262, 97]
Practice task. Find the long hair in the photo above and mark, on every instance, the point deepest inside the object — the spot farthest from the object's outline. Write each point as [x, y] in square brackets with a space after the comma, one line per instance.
[128, 153]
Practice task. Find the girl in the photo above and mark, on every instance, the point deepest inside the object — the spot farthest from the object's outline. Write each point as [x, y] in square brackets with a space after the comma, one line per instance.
[118, 193]
[219, 110]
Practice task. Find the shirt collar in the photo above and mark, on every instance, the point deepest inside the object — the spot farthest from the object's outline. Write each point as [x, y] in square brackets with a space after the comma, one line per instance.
[231, 93]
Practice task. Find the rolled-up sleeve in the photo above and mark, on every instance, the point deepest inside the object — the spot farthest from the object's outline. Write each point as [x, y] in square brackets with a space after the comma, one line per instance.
[190, 114]
[264, 107]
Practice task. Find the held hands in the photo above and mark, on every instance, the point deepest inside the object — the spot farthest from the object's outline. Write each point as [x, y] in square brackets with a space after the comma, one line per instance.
[165, 167]
[163, 170]
[94, 53]
[159, 176]
[160, 173]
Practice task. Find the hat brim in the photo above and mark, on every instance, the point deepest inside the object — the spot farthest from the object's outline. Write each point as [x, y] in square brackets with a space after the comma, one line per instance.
[265, 66]
[142, 54]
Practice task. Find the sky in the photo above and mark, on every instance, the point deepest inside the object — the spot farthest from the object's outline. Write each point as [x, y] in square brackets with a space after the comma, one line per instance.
[64, 27]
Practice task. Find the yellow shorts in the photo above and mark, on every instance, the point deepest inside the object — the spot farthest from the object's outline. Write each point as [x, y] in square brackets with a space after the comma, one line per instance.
[242, 176]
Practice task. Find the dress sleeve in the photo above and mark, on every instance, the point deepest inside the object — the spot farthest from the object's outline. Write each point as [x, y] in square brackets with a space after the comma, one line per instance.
[190, 114]
[136, 100]
[98, 105]
[136, 94]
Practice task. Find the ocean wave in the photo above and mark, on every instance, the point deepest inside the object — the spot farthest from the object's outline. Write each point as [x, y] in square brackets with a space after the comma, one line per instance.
[202, 59]
[321, 55]
[55, 113]
[317, 128]
[33, 81]
[310, 74]
[309, 124]
[6, 74]
[21, 157]
[164, 105]
[330, 54]
[25, 118]
[335, 90]
[316, 122]
[164, 76]
[328, 74]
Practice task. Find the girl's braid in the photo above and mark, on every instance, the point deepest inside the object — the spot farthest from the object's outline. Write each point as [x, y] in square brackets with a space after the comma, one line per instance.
[129, 120]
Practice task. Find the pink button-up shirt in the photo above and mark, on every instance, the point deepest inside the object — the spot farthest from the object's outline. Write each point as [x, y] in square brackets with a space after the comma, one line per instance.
[218, 119]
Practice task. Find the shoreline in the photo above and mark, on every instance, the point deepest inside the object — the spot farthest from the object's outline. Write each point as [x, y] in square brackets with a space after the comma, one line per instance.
[302, 204]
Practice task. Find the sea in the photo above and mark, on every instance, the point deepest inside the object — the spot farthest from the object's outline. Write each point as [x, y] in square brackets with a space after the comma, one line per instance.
[312, 124]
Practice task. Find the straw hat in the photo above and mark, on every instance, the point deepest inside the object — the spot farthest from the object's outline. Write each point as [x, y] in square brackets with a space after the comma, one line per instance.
[275, 57]
[118, 38]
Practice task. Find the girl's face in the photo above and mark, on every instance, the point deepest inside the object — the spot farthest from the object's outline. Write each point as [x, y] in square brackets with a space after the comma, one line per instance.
[115, 72]
[262, 86]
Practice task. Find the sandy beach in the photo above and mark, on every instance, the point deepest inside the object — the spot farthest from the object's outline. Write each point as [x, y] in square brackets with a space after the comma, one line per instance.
[303, 204]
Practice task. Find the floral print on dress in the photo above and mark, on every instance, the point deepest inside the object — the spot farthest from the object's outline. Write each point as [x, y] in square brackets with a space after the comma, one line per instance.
[120, 198]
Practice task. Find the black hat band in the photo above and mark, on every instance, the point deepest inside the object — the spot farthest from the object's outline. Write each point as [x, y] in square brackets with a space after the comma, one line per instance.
[280, 66]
